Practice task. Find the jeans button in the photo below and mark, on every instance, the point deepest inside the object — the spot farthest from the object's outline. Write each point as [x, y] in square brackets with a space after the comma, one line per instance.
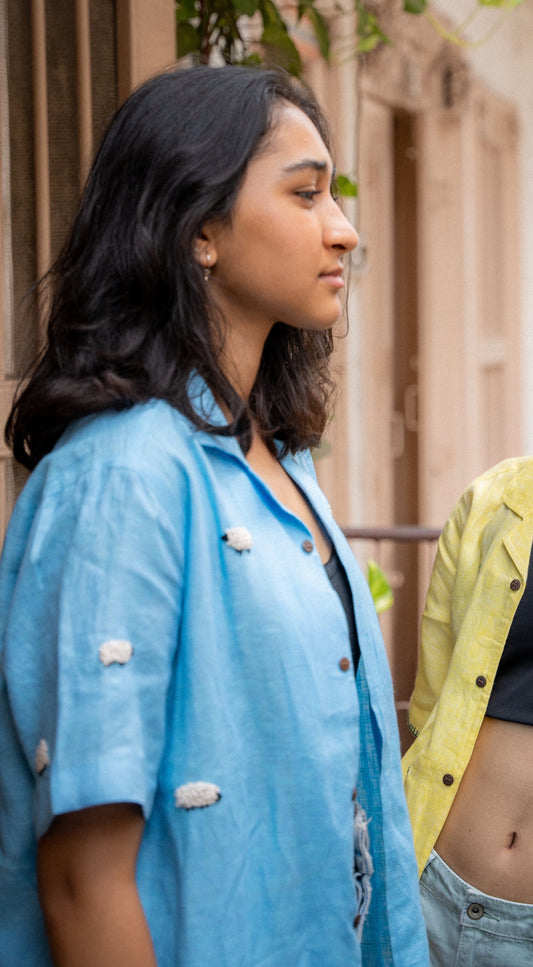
[475, 911]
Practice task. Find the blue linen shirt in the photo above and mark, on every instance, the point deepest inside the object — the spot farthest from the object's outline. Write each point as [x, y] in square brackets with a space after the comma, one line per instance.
[143, 651]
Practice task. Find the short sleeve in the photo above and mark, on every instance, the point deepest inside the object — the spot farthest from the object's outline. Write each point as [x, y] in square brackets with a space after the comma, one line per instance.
[92, 639]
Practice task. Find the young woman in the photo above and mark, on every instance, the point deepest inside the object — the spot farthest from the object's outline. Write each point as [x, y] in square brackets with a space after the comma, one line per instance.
[187, 756]
[469, 776]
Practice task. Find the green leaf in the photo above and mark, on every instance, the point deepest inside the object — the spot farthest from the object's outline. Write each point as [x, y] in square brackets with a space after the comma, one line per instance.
[415, 6]
[246, 7]
[380, 588]
[270, 14]
[321, 30]
[369, 32]
[188, 39]
[186, 10]
[346, 187]
[280, 49]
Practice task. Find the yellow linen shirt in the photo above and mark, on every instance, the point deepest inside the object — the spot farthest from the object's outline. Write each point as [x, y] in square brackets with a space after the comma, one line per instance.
[477, 582]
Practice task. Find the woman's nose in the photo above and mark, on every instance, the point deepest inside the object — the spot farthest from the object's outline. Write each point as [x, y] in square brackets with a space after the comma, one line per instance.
[340, 233]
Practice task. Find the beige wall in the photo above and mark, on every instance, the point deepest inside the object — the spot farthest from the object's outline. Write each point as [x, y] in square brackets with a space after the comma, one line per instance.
[146, 40]
[473, 400]
[505, 64]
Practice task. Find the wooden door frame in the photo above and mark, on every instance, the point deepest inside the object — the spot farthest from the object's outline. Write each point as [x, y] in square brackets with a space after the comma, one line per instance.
[146, 40]
[146, 43]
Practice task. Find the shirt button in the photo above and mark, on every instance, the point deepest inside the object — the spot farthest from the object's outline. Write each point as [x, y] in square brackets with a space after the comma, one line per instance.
[515, 584]
[481, 681]
[357, 921]
[354, 795]
[475, 911]
[344, 664]
[307, 546]
[447, 779]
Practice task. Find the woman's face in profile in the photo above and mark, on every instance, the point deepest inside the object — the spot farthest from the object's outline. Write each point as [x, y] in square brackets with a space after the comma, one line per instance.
[280, 258]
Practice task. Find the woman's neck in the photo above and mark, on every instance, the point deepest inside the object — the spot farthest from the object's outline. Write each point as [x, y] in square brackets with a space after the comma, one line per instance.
[241, 357]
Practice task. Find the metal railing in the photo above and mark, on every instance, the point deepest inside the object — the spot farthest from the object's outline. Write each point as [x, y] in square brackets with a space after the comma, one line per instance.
[406, 553]
[400, 532]
[381, 539]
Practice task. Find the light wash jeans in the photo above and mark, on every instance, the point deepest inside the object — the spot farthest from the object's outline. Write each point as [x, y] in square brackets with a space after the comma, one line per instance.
[468, 928]
[363, 867]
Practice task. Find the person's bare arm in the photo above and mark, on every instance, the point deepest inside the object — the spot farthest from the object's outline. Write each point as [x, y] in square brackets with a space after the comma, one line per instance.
[87, 889]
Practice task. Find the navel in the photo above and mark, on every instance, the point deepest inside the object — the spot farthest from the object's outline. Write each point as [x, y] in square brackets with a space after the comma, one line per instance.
[513, 840]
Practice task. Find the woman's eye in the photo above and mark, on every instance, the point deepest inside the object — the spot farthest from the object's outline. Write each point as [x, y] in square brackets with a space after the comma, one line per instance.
[308, 194]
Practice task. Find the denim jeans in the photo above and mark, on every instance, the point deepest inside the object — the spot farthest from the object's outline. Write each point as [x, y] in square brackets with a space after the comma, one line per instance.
[468, 928]
[363, 867]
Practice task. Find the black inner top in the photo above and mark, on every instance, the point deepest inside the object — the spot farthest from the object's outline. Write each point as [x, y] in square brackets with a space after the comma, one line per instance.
[512, 693]
[339, 582]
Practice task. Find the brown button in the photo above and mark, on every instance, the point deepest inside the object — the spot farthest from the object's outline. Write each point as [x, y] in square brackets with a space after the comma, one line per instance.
[354, 795]
[357, 921]
[344, 664]
[481, 681]
[515, 584]
[447, 779]
[307, 546]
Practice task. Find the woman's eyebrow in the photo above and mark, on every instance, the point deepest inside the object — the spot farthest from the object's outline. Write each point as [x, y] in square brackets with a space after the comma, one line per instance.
[307, 163]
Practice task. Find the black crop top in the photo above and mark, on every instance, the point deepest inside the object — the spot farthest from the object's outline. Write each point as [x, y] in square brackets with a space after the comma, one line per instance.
[512, 693]
[340, 584]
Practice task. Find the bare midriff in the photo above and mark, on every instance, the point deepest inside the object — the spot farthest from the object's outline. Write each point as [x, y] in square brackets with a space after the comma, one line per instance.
[488, 836]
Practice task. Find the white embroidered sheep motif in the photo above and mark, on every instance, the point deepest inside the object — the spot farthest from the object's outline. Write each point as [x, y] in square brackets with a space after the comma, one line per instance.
[115, 651]
[239, 538]
[196, 795]
[42, 757]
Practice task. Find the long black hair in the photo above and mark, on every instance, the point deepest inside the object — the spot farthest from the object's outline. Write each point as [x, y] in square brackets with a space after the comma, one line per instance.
[129, 315]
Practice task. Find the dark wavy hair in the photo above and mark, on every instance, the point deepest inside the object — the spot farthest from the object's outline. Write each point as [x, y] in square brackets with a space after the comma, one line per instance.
[129, 316]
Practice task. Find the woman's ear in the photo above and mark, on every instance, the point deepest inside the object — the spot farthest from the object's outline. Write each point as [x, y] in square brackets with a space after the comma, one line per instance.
[205, 250]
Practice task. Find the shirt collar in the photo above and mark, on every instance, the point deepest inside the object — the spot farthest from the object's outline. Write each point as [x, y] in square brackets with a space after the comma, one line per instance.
[207, 408]
[517, 496]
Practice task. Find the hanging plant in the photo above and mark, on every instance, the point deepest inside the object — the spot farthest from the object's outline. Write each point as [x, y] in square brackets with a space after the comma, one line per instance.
[254, 31]
[225, 26]
[457, 36]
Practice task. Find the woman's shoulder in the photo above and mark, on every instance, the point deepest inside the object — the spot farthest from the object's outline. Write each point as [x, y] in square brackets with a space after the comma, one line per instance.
[124, 464]
[484, 505]
[136, 437]
[123, 431]
[506, 470]
[508, 482]
[147, 443]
